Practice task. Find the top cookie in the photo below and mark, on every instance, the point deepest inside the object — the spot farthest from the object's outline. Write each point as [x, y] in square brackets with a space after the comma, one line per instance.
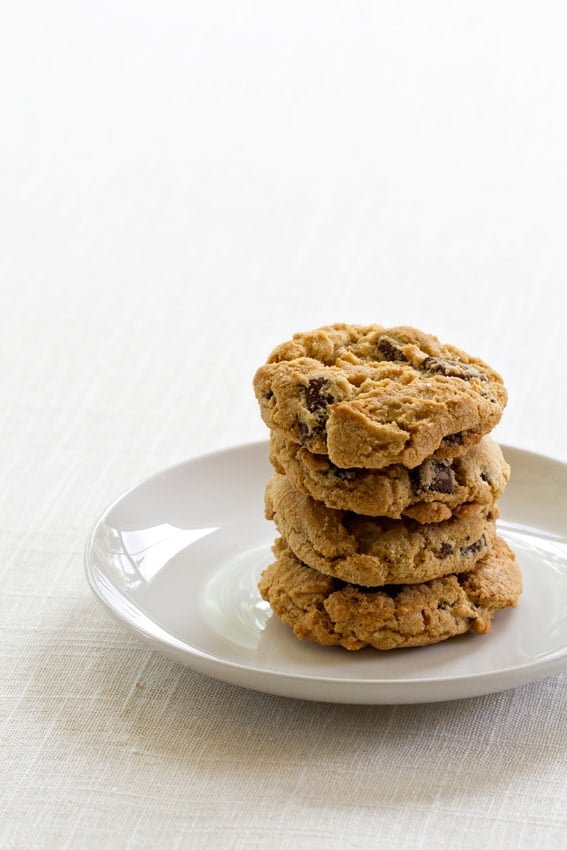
[369, 396]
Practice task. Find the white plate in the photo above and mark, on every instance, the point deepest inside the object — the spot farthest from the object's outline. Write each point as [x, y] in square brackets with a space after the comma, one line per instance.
[177, 559]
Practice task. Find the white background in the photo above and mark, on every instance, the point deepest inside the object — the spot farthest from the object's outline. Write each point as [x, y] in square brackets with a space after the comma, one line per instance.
[183, 186]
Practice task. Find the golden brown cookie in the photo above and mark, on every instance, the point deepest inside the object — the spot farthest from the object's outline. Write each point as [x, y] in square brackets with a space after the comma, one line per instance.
[377, 550]
[324, 610]
[428, 493]
[370, 397]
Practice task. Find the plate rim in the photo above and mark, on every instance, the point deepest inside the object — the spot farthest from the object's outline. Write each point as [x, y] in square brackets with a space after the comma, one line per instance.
[168, 644]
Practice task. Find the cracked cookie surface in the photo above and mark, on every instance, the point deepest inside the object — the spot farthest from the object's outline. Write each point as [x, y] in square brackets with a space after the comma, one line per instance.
[429, 492]
[369, 396]
[377, 550]
[329, 612]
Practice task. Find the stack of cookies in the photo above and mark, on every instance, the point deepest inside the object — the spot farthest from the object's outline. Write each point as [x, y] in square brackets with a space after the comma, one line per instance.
[385, 488]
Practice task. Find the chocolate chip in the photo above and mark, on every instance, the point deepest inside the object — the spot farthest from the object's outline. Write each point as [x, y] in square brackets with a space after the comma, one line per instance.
[268, 395]
[446, 549]
[306, 433]
[434, 475]
[451, 369]
[443, 481]
[486, 477]
[389, 350]
[475, 547]
[315, 397]
[303, 432]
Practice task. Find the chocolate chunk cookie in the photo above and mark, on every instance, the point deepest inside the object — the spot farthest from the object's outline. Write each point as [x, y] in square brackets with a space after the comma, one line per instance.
[429, 492]
[376, 550]
[369, 397]
[327, 611]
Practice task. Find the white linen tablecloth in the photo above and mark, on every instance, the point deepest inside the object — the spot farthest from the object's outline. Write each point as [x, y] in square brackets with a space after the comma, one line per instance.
[183, 186]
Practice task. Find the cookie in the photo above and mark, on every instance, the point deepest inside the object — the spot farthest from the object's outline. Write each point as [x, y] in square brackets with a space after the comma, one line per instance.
[324, 610]
[429, 492]
[377, 550]
[369, 397]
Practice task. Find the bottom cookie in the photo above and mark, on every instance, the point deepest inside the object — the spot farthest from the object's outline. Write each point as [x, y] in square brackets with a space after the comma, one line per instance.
[330, 612]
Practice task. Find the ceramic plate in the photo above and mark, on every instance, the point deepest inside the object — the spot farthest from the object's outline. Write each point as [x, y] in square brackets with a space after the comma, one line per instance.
[177, 559]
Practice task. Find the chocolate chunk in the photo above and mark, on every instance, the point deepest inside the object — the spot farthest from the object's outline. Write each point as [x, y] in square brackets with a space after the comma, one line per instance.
[315, 397]
[451, 369]
[434, 475]
[306, 432]
[389, 350]
[443, 480]
[303, 432]
[475, 547]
